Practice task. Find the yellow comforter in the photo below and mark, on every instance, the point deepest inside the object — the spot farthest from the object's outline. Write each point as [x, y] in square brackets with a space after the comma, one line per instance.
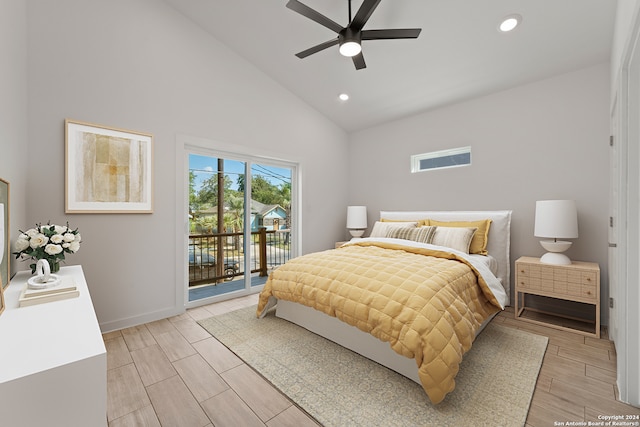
[428, 304]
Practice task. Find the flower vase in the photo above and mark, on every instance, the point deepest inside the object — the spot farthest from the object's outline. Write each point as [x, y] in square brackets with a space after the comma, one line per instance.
[54, 265]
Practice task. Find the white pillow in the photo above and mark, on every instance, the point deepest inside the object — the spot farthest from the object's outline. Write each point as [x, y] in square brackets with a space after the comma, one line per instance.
[380, 229]
[458, 238]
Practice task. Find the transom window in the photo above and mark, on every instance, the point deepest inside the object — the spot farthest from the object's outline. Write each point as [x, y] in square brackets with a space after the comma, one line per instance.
[451, 158]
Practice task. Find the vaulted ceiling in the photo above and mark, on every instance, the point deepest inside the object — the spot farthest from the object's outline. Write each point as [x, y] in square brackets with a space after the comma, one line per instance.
[460, 53]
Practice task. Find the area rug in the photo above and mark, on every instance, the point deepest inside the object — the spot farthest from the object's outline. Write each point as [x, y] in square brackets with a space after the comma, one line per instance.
[341, 388]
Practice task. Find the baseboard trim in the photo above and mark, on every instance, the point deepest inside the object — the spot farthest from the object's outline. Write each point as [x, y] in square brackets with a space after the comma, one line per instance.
[116, 325]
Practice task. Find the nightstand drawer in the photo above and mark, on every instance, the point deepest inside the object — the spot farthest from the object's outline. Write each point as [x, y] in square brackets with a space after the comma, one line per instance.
[524, 270]
[566, 289]
[589, 291]
[529, 283]
[589, 278]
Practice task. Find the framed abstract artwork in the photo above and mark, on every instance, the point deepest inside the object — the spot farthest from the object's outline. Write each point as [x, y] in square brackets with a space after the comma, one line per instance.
[5, 250]
[107, 170]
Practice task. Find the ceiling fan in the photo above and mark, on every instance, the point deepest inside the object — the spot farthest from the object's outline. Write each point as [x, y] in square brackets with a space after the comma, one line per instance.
[350, 37]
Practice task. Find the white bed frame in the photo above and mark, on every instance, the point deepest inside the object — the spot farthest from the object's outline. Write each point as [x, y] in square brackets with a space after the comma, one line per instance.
[369, 346]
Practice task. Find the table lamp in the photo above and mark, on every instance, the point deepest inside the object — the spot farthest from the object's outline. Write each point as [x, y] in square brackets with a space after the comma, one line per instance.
[556, 219]
[356, 220]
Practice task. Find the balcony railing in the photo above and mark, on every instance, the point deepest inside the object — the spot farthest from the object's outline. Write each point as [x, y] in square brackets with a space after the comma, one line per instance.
[214, 258]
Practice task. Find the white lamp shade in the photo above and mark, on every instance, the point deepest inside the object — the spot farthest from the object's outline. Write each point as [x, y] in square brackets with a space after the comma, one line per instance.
[357, 217]
[556, 219]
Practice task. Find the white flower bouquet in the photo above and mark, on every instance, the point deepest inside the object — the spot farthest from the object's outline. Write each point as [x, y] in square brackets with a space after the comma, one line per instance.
[50, 242]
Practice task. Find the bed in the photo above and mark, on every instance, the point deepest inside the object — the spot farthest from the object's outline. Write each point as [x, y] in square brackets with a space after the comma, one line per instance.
[423, 343]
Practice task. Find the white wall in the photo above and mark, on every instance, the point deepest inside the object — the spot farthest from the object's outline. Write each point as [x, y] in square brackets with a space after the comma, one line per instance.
[13, 109]
[545, 140]
[138, 64]
[14, 155]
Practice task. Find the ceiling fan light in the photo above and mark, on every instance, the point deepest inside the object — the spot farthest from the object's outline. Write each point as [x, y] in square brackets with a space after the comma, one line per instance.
[350, 48]
[349, 41]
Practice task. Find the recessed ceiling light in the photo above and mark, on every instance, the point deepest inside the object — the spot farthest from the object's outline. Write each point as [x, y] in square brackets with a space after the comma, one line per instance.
[343, 97]
[509, 23]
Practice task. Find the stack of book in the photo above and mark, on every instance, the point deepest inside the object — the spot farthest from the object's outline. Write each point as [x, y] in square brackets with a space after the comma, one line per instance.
[64, 290]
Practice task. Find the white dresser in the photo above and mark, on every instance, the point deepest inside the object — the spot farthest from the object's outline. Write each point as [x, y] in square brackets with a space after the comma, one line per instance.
[53, 362]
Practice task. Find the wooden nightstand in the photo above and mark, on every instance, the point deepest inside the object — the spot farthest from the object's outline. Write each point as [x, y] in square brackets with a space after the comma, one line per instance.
[579, 282]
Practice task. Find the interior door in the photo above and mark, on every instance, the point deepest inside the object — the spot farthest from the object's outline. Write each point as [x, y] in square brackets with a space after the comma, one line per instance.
[614, 199]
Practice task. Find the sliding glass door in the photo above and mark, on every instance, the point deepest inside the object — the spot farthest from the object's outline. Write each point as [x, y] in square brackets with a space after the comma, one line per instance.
[240, 223]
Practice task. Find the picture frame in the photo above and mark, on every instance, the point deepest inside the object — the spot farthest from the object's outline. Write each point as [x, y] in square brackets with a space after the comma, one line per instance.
[5, 242]
[107, 170]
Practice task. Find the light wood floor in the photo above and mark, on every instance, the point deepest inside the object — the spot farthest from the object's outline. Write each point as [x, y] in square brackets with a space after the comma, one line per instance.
[173, 373]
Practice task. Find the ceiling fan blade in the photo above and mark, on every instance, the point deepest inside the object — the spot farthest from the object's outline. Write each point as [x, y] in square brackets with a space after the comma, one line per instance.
[305, 10]
[317, 48]
[363, 15]
[401, 33]
[358, 61]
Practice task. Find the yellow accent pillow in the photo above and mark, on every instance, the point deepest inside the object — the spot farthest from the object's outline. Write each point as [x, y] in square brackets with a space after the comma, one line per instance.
[421, 222]
[480, 238]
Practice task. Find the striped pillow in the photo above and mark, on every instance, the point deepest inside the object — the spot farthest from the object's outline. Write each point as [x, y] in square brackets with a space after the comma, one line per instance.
[458, 238]
[480, 239]
[380, 229]
[419, 234]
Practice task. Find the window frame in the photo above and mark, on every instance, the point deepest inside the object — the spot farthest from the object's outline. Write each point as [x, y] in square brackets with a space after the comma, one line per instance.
[192, 145]
[416, 159]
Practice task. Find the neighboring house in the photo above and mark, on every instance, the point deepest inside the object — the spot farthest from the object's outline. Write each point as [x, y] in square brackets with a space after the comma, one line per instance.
[272, 217]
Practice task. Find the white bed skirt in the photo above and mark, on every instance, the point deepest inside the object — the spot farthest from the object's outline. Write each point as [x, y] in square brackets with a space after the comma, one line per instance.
[347, 336]
[351, 337]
